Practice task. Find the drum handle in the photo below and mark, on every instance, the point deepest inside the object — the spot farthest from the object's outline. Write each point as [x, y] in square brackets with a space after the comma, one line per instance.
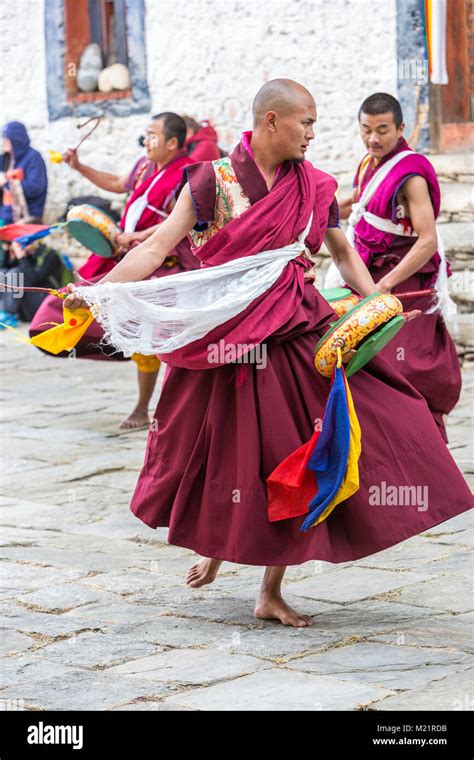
[413, 293]
[51, 291]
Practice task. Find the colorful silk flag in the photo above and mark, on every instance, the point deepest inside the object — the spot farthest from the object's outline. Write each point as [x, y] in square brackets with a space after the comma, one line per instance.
[24, 234]
[25, 240]
[434, 14]
[336, 458]
[10, 232]
[324, 472]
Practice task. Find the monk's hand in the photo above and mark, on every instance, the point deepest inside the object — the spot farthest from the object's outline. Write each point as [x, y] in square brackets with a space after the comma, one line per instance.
[125, 239]
[71, 158]
[409, 315]
[72, 300]
[383, 286]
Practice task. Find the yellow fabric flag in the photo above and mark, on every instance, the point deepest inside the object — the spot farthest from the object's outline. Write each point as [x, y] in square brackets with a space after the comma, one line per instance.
[55, 157]
[64, 337]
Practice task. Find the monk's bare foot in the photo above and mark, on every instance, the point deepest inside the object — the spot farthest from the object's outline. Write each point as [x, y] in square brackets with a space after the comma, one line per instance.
[137, 419]
[271, 606]
[203, 572]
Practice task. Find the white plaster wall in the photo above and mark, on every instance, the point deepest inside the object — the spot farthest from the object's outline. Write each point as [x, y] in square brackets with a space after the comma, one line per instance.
[208, 58]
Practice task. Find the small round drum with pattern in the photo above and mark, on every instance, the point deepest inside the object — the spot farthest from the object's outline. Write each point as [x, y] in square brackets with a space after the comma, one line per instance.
[341, 299]
[93, 228]
[360, 333]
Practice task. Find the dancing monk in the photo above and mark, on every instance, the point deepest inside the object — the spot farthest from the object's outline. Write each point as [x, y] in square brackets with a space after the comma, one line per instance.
[221, 429]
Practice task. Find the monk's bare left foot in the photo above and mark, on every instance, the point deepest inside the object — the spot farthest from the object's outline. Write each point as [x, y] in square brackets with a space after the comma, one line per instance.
[138, 419]
[271, 606]
[203, 572]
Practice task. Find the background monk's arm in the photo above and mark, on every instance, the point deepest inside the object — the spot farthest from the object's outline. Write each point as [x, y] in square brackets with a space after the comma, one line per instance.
[345, 205]
[349, 263]
[106, 181]
[417, 200]
[148, 256]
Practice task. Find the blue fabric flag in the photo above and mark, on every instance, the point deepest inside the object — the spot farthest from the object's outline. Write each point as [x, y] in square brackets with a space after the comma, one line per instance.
[25, 240]
[330, 456]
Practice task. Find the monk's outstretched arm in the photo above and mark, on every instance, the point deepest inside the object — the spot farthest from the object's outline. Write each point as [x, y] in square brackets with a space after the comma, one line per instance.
[149, 255]
[349, 263]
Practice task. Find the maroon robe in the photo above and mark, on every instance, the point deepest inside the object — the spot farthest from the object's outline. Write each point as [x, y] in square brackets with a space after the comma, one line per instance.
[219, 433]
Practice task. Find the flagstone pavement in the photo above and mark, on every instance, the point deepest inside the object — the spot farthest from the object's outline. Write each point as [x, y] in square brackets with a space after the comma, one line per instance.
[96, 613]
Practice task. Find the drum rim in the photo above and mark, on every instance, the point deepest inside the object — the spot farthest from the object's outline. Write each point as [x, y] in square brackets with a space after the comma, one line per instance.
[90, 205]
[348, 293]
[345, 316]
[353, 366]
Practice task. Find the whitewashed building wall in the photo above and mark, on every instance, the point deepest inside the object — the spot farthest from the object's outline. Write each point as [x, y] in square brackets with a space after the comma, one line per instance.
[208, 58]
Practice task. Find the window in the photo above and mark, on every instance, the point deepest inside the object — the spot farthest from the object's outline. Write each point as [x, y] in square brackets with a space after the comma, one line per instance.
[116, 30]
[101, 22]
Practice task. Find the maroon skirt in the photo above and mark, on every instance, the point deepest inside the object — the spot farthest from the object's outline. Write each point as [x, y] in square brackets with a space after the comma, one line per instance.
[219, 433]
[424, 351]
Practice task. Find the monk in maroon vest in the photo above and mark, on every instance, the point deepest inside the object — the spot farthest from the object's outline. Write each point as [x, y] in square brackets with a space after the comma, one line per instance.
[222, 428]
[408, 198]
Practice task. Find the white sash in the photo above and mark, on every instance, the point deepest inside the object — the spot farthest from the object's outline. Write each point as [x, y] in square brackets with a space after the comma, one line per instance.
[359, 209]
[163, 314]
[136, 209]
[333, 278]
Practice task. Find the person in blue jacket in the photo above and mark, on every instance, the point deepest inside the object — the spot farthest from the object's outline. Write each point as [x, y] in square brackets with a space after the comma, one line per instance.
[34, 182]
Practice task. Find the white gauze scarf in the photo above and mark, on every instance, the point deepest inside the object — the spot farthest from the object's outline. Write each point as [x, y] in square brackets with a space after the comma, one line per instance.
[163, 314]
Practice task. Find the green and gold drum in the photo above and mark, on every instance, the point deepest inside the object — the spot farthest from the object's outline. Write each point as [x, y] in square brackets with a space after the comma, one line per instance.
[360, 333]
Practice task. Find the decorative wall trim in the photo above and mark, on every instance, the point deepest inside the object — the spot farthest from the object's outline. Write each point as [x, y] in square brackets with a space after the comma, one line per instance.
[413, 73]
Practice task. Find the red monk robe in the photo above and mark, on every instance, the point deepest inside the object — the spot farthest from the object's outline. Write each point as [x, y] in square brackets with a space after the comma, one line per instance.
[221, 430]
[430, 361]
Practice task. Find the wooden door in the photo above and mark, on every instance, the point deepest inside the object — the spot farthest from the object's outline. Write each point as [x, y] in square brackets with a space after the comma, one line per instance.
[451, 105]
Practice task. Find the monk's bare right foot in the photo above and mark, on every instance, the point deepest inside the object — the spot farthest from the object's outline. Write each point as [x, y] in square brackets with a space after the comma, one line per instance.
[203, 572]
[273, 607]
[137, 420]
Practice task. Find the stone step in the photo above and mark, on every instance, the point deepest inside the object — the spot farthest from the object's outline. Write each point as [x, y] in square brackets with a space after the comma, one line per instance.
[457, 237]
[453, 166]
[461, 328]
[457, 199]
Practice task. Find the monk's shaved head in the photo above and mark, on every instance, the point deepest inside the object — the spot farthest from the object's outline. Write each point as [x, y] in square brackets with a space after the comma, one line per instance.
[281, 96]
[284, 114]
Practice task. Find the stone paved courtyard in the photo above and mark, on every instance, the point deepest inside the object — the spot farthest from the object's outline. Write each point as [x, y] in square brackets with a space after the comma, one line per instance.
[96, 613]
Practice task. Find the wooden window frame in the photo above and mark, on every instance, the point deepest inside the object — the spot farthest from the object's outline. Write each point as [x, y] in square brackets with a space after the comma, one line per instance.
[62, 97]
[85, 21]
